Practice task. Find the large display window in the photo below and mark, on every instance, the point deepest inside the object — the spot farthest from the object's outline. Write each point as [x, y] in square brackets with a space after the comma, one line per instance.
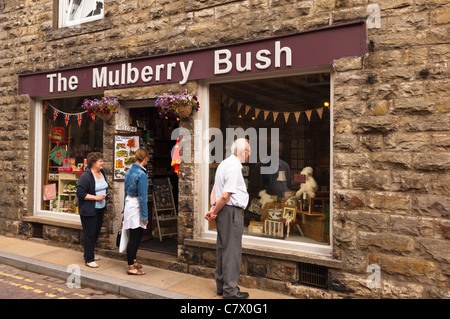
[66, 134]
[287, 122]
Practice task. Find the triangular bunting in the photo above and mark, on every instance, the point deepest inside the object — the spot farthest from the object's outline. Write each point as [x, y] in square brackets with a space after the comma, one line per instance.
[297, 116]
[66, 118]
[55, 114]
[45, 106]
[266, 114]
[92, 115]
[230, 102]
[247, 108]
[257, 112]
[79, 118]
[320, 111]
[308, 114]
[286, 116]
[239, 105]
[275, 115]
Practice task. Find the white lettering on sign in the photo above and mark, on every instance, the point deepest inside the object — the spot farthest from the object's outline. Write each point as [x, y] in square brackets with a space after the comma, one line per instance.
[126, 128]
[223, 59]
[102, 77]
[62, 83]
[128, 74]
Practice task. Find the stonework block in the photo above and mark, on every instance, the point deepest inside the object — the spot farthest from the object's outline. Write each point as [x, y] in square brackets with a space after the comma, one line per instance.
[391, 115]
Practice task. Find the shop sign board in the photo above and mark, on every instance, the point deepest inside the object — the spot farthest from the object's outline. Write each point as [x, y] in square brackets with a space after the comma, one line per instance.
[311, 48]
[126, 128]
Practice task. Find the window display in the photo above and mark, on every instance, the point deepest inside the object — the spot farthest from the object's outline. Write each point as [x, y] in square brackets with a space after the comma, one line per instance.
[69, 134]
[287, 122]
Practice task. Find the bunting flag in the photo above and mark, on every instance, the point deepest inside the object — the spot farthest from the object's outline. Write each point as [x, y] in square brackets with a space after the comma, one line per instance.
[257, 112]
[266, 113]
[275, 115]
[66, 118]
[56, 112]
[79, 118]
[320, 111]
[308, 114]
[92, 115]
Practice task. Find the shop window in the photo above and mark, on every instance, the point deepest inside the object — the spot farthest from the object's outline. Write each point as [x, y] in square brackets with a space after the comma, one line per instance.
[68, 135]
[291, 114]
[75, 12]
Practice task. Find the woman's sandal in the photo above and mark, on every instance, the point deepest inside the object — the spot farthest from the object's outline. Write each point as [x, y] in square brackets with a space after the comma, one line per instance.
[92, 264]
[135, 271]
[137, 265]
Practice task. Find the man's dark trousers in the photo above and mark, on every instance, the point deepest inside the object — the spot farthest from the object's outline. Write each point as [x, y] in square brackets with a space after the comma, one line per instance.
[230, 226]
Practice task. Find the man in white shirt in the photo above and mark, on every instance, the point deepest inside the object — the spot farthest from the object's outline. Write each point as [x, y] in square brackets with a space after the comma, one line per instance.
[228, 199]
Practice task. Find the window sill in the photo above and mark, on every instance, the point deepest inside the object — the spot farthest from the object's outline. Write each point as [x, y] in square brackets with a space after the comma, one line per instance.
[269, 252]
[88, 27]
[53, 222]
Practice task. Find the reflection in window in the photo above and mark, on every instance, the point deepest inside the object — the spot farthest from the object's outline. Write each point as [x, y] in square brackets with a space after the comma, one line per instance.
[288, 116]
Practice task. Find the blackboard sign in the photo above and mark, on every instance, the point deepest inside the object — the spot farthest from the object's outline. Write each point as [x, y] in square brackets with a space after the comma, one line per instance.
[162, 193]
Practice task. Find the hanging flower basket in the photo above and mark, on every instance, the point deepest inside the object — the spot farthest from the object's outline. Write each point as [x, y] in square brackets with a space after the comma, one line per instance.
[104, 108]
[179, 104]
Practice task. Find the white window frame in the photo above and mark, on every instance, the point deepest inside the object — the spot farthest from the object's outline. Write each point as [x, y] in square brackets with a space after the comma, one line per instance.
[38, 162]
[86, 5]
[282, 245]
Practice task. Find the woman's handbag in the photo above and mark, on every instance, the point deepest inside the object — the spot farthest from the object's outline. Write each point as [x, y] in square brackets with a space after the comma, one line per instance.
[119, 235]
[122, 239]
[123, 242]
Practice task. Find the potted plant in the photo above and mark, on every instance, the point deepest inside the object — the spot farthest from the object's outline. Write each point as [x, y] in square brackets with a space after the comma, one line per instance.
[180, 104]
[104, 108]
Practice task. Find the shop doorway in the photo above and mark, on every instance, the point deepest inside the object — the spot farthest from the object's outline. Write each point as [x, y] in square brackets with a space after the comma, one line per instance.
[155, 134]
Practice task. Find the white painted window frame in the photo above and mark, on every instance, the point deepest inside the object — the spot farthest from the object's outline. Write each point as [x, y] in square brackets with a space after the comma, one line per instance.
[38, 162]
[85, 6]
[203, 115]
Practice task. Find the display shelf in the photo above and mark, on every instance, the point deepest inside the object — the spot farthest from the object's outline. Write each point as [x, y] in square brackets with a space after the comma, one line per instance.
[65, 179]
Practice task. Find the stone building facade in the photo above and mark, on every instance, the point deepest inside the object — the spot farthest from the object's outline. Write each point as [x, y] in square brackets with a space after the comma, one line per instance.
[390, 148]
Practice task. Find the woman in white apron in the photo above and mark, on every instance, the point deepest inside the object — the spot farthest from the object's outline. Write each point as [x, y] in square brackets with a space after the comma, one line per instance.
[135, 214]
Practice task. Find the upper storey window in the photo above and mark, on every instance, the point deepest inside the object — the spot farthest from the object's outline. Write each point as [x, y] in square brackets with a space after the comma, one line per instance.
[75, 12]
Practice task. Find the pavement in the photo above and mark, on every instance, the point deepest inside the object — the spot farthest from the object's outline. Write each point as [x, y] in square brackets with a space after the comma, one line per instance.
[111, 276]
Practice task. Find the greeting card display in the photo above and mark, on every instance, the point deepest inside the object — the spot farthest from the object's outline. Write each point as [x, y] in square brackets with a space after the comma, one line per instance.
[49, 191]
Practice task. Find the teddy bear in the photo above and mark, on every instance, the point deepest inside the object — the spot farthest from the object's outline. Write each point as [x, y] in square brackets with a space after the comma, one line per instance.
[265, 198]
[310, 185]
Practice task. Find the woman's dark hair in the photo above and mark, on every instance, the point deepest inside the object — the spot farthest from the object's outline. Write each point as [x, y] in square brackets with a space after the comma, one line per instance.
[93, 157]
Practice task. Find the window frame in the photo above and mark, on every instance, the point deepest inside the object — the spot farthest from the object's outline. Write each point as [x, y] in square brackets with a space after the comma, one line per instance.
[262, 242]
[64, 5]
[38, 165]
[39, 162]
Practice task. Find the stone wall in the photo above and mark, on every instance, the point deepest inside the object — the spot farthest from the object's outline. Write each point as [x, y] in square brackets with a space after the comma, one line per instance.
[391, 109]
